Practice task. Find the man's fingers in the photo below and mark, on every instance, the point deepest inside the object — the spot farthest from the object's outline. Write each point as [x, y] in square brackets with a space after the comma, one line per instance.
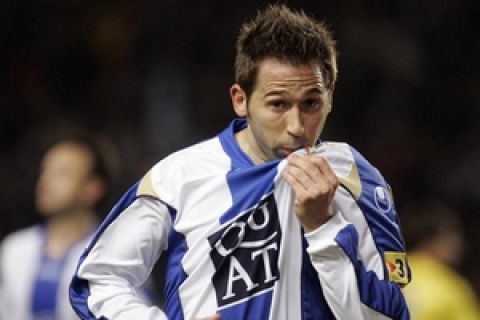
[307, 189]
[314, 184]
[311, 170]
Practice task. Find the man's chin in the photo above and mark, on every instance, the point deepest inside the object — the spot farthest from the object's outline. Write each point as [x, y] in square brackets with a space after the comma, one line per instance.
[50, 213]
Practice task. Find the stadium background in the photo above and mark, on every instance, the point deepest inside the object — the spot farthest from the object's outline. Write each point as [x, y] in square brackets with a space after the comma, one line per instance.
[153, 76]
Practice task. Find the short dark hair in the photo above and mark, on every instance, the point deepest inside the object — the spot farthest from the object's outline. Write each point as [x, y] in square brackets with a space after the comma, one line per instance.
[104, 164]
[279, 32]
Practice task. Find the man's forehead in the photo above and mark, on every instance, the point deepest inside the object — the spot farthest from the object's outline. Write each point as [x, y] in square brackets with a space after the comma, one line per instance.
[276, 72]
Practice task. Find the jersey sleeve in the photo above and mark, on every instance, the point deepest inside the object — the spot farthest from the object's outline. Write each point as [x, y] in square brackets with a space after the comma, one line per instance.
[353, 251]
[121, 257]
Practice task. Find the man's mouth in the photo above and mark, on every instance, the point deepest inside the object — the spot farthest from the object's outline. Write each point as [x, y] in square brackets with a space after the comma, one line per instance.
[288, 150]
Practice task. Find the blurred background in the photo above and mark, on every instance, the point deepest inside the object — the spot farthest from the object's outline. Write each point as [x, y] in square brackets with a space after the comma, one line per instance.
[153, 76]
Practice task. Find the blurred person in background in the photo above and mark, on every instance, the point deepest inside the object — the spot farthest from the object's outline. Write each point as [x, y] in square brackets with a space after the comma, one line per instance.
[253, 222]
[434, 235]
[37, 263]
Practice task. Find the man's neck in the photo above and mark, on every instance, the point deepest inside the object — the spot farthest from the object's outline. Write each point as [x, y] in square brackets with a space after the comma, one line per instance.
[243, 138]
[65, 230]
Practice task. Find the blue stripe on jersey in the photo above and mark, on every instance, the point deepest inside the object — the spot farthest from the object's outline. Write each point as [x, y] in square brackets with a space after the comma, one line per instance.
[257, 308]
[175, 274]
[314, 305]
[230, 145]
[381, 216]
[380, 295]
[246, 186]
[45, 289]
[79, 289]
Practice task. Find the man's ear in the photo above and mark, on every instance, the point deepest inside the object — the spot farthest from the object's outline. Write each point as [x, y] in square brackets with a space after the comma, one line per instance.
[239, 100]
[330, 97]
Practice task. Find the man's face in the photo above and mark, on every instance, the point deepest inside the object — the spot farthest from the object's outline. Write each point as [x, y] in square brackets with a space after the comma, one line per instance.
[64, 174]
[287, 109]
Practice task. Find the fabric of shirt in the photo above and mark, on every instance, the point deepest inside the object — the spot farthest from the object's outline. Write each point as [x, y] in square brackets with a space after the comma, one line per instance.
[35, 287]
[45, 288]
[235, 247]
[29, 288]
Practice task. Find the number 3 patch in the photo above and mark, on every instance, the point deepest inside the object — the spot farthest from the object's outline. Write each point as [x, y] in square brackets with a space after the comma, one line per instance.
[397, 266]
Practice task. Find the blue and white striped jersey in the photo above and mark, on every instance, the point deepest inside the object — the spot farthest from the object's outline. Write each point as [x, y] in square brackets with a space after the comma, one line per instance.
[32, 286]
[234, 246]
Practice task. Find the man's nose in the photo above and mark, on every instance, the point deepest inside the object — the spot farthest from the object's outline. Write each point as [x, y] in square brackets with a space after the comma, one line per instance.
[295, 122]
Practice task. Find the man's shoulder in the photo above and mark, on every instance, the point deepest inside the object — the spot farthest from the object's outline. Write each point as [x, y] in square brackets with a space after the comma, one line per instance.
[342, 151]
[207, 153]
[199, 163]
[353, 170]
[22, 238]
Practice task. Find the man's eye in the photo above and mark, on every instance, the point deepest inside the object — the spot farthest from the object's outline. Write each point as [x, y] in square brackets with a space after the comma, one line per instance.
[278, 104]
[311, 104]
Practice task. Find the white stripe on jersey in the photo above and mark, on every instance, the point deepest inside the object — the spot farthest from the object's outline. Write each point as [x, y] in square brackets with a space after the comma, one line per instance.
[287, 292]
[197, 218]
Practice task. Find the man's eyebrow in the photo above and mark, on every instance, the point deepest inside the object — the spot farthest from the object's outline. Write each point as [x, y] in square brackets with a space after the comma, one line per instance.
[274, 93]
[314, 90]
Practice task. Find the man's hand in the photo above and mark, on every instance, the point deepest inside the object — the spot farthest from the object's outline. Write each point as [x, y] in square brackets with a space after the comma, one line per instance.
[314, 185]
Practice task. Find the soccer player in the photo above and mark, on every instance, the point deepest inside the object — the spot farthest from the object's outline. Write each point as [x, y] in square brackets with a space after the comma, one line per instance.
[37, 263]
[435, 237]
[264, 220]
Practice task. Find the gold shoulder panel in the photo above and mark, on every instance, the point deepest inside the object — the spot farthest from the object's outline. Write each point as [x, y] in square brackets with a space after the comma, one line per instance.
[145, 188]
[352, 182]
